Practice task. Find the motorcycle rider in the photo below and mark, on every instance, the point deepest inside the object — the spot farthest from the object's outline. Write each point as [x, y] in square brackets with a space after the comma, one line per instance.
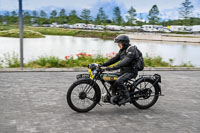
[127, 56]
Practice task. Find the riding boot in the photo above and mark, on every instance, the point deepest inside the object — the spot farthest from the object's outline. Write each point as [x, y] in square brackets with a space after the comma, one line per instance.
[113, 91]
[126, 97]
[126, 94]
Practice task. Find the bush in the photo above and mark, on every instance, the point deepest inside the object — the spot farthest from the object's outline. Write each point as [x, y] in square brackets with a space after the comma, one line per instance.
[45, 62]
[155, 62]
[82, 60]
[11, 60]
[188, 64]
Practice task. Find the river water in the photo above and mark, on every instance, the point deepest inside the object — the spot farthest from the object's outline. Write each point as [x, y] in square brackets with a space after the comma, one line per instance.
[62, 46]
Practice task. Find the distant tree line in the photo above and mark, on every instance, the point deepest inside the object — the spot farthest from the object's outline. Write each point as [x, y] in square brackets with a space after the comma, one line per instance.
[132, 17]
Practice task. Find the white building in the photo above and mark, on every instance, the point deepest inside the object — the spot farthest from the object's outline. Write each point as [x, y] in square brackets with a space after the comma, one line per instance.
[53, 25]
[79, 26]
[66, 26]
[152, 28]
[179, 28]
[128, 28]
[195, 28]
[90, 26]
[99, 27]
[114, 27]
[45, 25]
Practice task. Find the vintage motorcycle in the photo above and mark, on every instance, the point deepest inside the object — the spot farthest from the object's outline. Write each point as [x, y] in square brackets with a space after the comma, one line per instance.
[84, 94]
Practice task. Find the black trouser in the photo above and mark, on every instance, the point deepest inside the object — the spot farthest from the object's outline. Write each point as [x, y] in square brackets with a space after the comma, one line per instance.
[123, 78]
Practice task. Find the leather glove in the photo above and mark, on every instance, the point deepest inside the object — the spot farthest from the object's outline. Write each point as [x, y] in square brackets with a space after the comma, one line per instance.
[100, 65]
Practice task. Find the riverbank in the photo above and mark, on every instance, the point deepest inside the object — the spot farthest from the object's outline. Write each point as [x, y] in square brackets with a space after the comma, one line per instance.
[38, 32]
[169, 37]
[15, 34]
[165, 37]
[74, 32]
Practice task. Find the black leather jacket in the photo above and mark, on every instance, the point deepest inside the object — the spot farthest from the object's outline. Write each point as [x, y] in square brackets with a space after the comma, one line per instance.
[127, 60]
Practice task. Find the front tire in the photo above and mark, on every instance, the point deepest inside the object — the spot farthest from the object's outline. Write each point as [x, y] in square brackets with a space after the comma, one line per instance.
[83, 95]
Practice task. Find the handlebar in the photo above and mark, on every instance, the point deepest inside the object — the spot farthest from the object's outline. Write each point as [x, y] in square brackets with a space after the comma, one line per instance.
[97, 67]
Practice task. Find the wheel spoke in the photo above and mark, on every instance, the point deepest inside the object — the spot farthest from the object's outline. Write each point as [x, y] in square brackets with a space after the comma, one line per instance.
[90, 99]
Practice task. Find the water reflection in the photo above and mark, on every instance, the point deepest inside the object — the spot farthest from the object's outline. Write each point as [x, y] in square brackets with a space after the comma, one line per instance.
[61, 46]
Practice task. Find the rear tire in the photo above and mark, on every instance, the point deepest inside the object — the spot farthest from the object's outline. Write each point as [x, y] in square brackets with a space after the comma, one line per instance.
[81, 100]
[150, 87]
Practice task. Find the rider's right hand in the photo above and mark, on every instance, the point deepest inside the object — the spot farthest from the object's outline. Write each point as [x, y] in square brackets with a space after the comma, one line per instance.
[100, 65]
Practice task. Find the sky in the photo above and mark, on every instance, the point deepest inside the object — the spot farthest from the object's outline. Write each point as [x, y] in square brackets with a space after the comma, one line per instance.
[168, 8]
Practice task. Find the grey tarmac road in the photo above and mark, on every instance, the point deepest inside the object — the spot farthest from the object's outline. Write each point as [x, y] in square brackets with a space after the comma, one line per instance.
[35, 102]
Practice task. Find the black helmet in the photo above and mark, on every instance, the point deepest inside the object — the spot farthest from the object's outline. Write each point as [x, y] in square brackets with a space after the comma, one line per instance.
[122, 38]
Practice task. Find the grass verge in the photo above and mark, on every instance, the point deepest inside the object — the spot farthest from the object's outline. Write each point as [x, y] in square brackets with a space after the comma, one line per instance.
[15, 33]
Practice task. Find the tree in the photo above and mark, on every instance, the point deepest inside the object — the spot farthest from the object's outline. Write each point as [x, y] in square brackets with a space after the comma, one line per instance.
[53, 14]
[185, 11]
[13, 14]
[27, 18]
[101, 16]
[7, 17]
[35, 14]
[1, 19]
[14, 17]
[117, 18]
[153, 15]
[43, 18]
[73, 17]
[43, 14]
[131, 16]
[62, 13]
[62, 17]
[73, 13]
[85, 15]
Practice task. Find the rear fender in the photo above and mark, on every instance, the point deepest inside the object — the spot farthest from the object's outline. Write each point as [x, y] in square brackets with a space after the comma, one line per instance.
[154, 79]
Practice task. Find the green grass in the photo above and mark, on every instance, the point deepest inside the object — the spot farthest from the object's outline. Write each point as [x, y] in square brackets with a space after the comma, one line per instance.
[8, 27]
[10, 60]
[15, 33]
[74, 32]
[38, 32]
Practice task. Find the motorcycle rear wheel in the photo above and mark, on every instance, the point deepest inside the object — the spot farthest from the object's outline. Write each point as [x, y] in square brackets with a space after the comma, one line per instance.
[149, 96]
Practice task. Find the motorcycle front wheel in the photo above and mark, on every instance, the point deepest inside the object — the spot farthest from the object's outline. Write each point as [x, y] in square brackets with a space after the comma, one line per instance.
[83, 95]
